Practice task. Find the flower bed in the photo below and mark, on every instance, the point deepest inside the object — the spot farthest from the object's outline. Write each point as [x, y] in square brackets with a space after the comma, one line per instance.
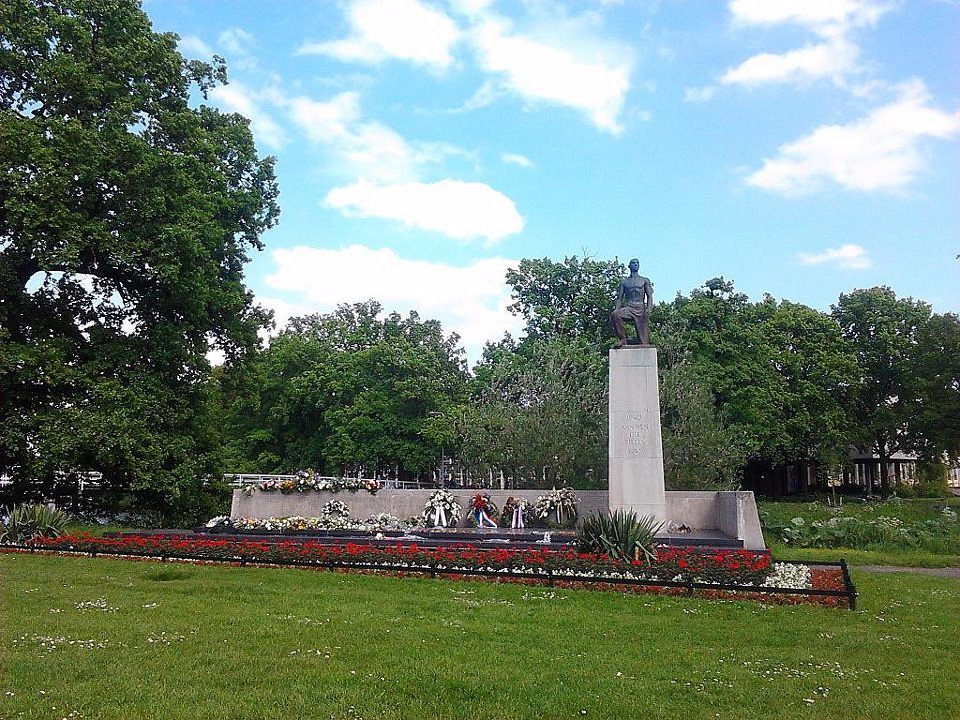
[726, 573]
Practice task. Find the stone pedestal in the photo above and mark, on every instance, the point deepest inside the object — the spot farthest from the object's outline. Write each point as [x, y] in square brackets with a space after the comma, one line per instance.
[636, 449]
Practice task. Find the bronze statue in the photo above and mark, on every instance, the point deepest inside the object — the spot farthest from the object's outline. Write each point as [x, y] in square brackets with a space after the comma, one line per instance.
[634, 302]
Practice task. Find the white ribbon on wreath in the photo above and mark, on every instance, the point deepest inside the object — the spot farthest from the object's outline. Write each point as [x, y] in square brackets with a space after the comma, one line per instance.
[439, 517]
[517, 521]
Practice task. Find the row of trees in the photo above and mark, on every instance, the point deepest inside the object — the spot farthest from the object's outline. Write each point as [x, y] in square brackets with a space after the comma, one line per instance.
[127, 213]
[762, 382]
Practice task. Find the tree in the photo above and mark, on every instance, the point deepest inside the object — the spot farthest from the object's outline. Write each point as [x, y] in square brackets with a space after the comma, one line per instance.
[538, 413]
[565, 301]
[126, 217]
[701, 450]
[779, 373]
[346, 391]
[934, 403]
[884, 333]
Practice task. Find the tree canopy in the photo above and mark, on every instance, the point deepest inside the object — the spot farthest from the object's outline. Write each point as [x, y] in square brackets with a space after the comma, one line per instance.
[349, 391]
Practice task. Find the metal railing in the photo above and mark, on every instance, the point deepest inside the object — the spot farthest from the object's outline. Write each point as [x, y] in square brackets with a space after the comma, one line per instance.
[238, 480]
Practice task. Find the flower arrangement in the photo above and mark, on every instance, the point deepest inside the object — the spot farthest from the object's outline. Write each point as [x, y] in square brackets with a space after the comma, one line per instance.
[516, 512]
[483, 511]
[561, 503]
[328, 521]
[335, 508]
[308, 480]
[442, 509]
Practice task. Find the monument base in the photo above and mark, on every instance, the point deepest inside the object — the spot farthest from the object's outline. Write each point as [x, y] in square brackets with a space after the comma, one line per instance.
[635, 446]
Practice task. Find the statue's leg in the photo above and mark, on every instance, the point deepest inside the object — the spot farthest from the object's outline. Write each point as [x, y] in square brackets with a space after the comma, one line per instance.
[619, 328]
[642, 324]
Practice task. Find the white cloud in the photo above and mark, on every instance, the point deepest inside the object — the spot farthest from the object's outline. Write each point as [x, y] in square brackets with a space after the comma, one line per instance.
[593, 79]
[471, 300]
[365, 148]
[825, 16]
[701, 94]
[853, 257]
[326, 121]
[485, 95]
[878, 152]
[460, 210]
[236, 41]
[834, 59]
[238, 44]
[517, 159]
[402, 29]
[193, 46]
[471, 8]
[237, 98]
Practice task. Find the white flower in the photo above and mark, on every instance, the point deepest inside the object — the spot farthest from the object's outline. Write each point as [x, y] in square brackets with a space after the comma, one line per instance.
[788, 575]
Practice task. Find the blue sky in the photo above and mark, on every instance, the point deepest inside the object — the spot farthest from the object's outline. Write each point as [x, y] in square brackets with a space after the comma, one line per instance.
[803, 148]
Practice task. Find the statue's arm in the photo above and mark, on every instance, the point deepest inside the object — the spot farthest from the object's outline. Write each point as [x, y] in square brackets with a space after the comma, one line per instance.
[619, 303]
[649, 295]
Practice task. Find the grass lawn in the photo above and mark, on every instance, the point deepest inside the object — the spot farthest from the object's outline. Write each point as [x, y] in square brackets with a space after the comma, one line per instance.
[105, 638]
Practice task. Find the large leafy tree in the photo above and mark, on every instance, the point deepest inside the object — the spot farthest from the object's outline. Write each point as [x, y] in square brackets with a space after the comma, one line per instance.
[565, 300]
[884, 333]
[779, 373]
[539, 414]
[349, 390]
[701, 450]
[935, 400]
[126, 216]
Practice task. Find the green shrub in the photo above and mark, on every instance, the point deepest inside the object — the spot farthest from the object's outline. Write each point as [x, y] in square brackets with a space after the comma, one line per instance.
[883, 528]
[932, 480]
[29, 522]
[622, 535]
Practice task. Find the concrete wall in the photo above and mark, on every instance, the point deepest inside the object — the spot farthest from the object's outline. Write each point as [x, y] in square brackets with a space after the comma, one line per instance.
[399, 503]
[732, 513]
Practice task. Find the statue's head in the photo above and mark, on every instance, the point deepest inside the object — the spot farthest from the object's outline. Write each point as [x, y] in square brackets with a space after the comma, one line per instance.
[634, 265]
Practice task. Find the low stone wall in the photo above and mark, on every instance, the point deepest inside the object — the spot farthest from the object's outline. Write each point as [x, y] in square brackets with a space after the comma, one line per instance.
[733, 513]
[399, 503]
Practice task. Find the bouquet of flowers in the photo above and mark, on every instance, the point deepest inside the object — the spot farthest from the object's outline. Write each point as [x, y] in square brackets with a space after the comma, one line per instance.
[335, 508]
[483, 510]
[441, 510]
[515, 512]
[562, 503]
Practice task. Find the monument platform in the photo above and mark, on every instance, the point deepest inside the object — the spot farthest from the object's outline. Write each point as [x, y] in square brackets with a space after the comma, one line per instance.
[709, 515]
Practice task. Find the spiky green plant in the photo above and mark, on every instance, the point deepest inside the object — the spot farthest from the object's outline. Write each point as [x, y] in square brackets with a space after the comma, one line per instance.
[621, 534]
[25, 523]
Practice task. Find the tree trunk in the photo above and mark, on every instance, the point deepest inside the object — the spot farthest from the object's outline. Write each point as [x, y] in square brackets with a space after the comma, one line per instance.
[884, 477]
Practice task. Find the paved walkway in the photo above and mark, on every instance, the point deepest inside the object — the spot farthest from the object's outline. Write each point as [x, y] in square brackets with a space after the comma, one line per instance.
[950, 572]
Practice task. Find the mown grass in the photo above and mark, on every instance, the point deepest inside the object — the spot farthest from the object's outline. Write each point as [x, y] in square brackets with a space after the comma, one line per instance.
[899, 557]
[155, 640]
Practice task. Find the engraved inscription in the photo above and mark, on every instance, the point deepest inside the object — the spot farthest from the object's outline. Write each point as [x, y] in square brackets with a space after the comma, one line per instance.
[635, 433]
